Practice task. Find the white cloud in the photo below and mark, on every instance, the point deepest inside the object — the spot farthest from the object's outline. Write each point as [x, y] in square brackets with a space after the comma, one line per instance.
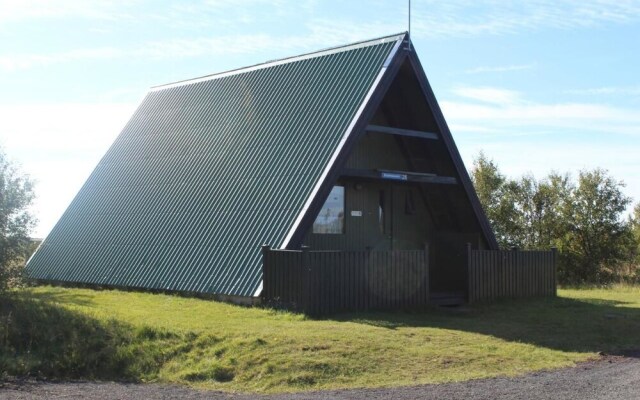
[16, 62]
[575, 116]
[58, 145]
[319, 37]
[461, 18]
[607, 90]
[20, 10]
[487, 94]
[498, 69]
[501, 110]
[432, 18]
[525, 136]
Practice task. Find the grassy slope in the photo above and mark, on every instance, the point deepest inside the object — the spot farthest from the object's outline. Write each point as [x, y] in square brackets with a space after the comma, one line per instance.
[214, 345]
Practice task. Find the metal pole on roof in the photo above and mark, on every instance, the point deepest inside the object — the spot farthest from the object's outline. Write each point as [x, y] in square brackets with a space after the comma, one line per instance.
[409, 28]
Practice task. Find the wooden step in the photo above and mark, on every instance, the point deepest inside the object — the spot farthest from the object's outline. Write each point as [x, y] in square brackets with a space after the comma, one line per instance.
[448, 298]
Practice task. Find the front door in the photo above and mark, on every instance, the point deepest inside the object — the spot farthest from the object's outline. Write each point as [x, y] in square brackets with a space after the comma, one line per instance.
[380, 209]
[409, 218]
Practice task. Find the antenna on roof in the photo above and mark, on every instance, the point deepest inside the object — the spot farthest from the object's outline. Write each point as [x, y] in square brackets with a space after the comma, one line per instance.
[409, 29]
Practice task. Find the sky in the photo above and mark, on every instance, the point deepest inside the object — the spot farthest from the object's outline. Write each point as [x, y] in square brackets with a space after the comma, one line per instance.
[538, 85]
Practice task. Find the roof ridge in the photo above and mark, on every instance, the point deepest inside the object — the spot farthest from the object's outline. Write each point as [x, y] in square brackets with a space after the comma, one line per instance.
[313, 54]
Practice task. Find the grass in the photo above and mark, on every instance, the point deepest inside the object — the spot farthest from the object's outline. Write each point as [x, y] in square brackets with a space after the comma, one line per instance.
[79, 333]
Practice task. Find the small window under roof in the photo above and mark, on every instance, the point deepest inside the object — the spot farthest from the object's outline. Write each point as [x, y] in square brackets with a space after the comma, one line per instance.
[330, 220]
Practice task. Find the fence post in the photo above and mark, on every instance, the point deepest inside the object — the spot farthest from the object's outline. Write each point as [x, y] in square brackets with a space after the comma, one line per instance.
[307, 281]
[470, 293]
[426, 280]
[426, 252]
[554, 252]
[265, 251]
[518, 272]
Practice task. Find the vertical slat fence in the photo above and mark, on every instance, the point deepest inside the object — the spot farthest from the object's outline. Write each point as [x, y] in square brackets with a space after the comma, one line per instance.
[326, 282]
[495, 274]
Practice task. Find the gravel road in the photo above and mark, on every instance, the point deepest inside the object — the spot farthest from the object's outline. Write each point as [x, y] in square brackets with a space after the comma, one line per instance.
[610, 377]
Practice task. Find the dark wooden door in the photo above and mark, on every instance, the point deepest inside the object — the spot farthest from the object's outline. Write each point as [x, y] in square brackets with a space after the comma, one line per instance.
[410, 230]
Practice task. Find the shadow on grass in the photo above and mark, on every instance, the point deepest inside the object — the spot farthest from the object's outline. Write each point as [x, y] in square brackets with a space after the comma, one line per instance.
[585, 325]
[42, 339]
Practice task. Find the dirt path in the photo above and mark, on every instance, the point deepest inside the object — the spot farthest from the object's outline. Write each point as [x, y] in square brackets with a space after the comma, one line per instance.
[611, 378]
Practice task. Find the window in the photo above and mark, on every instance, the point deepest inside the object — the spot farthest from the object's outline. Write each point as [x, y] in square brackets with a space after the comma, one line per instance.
[330, 220]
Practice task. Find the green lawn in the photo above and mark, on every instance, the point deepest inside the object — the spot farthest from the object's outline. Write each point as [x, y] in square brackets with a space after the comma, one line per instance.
[72, 333]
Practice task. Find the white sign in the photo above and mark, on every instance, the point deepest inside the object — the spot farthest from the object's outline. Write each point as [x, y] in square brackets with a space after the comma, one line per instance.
[356, 213]
[394, 176]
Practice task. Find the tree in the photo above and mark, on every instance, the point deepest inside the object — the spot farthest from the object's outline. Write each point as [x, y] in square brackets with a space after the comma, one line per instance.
[538, 204]
[634, 224]
[16, 222]
[634, 227]
[496, 195]
[582, 219]
[597, 238]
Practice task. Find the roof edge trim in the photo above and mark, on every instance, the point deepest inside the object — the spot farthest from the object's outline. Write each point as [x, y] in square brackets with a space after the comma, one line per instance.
[348, 132]
[258, 291]
[343, 140]
[399, 37]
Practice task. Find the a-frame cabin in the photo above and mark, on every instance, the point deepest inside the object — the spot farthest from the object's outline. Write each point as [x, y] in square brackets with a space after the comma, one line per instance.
[342, 149]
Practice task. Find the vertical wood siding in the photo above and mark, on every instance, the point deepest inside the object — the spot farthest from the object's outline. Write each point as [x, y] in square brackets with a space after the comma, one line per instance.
[497, 274]
[326, 282]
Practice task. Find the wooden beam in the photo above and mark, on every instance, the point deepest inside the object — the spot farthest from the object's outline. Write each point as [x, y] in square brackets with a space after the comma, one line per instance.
[402, 176]
[401, 132]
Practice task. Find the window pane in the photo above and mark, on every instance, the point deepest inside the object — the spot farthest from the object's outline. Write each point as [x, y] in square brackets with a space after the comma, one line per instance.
[331, 217]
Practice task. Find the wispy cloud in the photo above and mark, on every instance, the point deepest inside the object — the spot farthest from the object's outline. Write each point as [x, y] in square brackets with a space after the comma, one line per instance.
[318, 36]
[608, 90]
[59, 145]
[461, 18]
[198, 12]
[17, 10]
[500, 110]
[432, 19]
[498, 69]
[533, 117]
[165, 49]
[527, 136]
[487, 94]
[16, 62]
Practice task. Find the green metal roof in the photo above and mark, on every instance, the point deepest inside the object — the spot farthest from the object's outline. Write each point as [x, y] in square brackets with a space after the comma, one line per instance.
[208, 170]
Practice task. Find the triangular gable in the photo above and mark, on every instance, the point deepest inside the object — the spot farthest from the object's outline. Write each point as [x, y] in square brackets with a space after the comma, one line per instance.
[405, 58]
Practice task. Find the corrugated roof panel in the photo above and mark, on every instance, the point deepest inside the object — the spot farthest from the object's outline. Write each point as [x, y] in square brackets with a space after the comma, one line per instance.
[207, 171]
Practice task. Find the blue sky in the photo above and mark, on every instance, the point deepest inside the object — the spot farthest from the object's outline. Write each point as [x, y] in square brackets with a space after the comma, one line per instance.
[538, 85]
